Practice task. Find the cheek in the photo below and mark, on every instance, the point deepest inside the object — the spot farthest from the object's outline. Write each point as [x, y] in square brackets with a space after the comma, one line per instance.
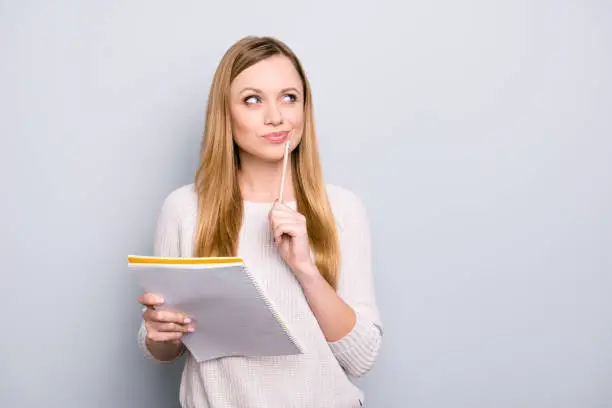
[295, 117]
[245, 122]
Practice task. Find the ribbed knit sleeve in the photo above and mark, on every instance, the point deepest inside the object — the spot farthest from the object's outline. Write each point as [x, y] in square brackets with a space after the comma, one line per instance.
[358, 350]
[166, 244]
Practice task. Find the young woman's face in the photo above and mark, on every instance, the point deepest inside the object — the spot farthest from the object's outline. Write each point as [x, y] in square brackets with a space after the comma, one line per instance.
[267, 108]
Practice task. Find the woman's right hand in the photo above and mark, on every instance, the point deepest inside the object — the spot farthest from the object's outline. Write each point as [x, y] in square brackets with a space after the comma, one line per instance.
[163, 325]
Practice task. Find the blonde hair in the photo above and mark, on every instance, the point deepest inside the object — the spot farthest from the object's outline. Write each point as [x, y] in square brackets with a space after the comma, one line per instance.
[220, 201]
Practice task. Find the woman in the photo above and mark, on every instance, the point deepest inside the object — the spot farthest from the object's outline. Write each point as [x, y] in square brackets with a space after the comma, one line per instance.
[310, 251]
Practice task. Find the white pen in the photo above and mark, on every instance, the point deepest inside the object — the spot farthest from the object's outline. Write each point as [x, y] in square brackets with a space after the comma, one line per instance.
[283, 175]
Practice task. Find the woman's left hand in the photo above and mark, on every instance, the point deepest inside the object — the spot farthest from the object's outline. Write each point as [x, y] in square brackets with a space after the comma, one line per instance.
[291, 236]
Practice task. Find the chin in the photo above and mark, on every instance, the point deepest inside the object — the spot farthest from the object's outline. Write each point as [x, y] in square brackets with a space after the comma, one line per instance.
[272, 153]
[270, 156]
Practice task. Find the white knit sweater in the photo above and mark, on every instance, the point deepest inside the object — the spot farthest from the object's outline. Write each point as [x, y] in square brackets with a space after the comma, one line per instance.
[319, 378]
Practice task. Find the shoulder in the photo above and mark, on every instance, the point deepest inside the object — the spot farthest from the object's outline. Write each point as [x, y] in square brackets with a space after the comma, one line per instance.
[179, 202]
[342, 197]
[346, 205]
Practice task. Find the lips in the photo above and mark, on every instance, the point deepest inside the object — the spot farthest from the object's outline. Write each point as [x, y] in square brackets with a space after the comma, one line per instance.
[276, 137]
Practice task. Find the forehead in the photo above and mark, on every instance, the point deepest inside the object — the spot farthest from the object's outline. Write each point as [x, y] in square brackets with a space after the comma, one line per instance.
[271, 74]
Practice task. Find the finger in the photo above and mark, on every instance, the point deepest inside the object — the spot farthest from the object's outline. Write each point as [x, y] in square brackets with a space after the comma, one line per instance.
[170, 317]
[289, 214]
[164, 336]
[278, 214]
[282, 219]
[166, 316]
[283, 227]
[150, 299]
[288, 228]
[172, 327]
[281, 206]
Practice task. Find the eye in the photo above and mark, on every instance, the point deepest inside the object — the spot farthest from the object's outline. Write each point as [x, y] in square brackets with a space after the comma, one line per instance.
[252, 99]
[290, 97]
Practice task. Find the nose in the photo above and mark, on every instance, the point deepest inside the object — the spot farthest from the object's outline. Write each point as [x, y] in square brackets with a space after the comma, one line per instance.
[273, 115]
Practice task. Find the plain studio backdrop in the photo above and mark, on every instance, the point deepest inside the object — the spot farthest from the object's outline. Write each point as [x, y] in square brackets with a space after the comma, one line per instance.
[478, 134]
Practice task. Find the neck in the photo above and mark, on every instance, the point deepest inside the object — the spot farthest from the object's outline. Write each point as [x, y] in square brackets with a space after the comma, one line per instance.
[260, 180]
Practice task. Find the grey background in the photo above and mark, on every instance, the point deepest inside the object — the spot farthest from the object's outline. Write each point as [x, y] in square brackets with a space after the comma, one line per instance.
[478, 133]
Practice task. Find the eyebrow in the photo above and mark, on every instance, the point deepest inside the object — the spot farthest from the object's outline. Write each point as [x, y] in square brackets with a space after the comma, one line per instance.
[260, 91]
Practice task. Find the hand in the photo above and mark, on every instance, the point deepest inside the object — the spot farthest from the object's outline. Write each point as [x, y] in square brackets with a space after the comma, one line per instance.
[290, 236]
[163, 325]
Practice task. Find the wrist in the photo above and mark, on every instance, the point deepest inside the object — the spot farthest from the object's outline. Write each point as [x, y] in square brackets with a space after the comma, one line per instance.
[306, 273]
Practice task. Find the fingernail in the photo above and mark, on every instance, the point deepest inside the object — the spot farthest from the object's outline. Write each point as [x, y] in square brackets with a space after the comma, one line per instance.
[191, 329]
[187, 320]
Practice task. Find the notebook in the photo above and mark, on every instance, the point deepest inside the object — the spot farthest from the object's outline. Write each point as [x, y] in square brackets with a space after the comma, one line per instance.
[232, 314]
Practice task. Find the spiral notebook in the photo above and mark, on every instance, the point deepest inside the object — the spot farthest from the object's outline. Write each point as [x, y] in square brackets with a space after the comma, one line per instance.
[232, 314]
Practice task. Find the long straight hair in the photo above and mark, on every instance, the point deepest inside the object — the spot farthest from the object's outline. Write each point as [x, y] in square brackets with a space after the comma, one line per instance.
[220, 208]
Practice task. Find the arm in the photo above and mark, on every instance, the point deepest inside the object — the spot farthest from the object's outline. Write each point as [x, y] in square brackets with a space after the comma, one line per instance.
[349, 318]
[335, 317]
[167, 244]
[357, 348]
